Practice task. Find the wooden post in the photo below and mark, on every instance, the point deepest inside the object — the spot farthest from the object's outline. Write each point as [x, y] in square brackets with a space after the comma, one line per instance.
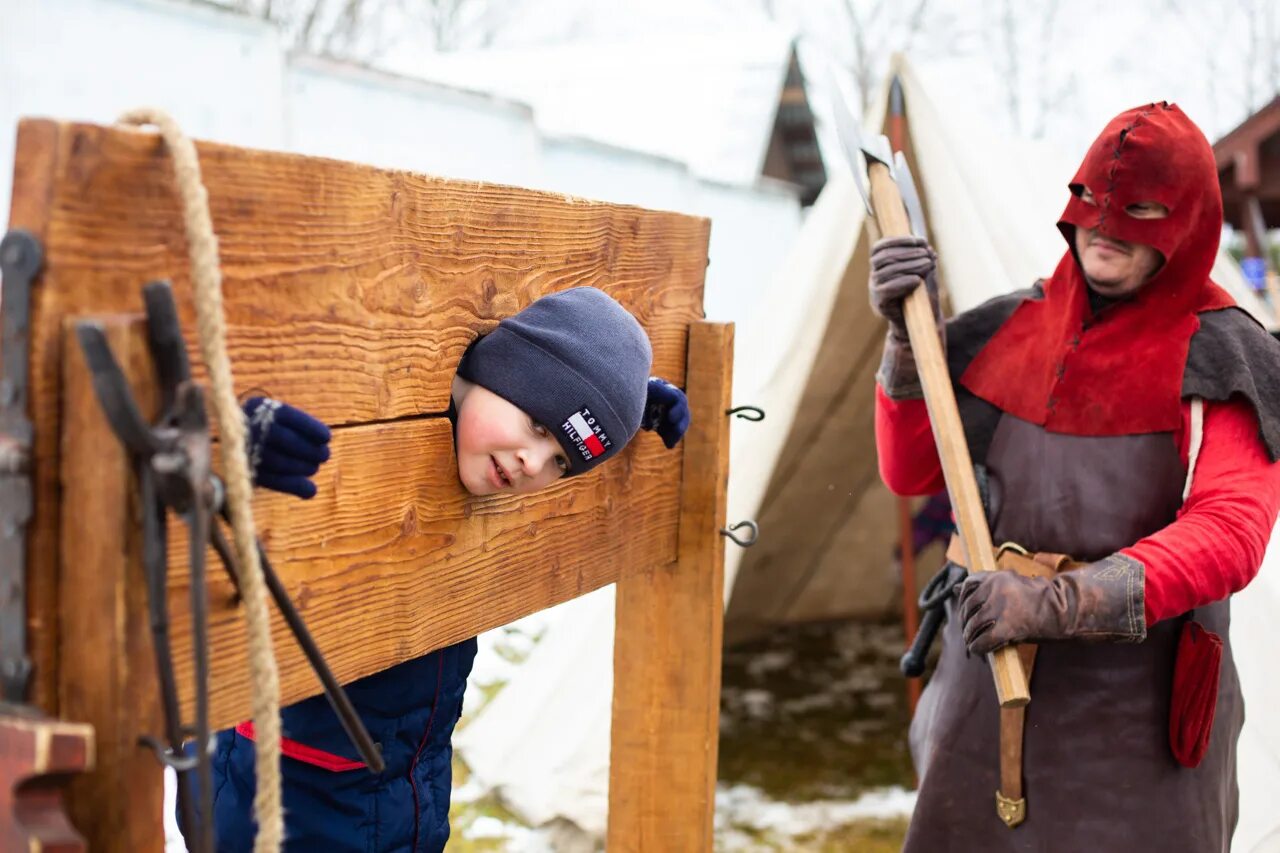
[897, 132]
[107, 673]
[666, 685]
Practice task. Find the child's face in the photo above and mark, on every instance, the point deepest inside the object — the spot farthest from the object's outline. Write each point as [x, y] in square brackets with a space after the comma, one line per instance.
[502, 449]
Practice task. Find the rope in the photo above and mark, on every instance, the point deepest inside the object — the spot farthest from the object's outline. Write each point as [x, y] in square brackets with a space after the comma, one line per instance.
[206, 278]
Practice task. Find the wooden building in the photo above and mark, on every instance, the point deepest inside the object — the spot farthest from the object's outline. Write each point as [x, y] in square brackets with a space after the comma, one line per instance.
[1249, 171]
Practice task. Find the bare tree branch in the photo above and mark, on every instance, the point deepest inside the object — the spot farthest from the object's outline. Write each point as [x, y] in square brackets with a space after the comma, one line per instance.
[1009, 33]
[915, 23]
[364, 29]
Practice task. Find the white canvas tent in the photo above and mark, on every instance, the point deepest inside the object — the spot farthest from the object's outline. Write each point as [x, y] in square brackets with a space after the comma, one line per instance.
[807, 356]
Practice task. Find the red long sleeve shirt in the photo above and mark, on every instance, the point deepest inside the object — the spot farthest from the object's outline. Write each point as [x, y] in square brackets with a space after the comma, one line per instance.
[1212, 548]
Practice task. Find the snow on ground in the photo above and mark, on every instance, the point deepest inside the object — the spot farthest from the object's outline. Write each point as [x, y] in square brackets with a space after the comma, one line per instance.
[748, 819]
[813, 745]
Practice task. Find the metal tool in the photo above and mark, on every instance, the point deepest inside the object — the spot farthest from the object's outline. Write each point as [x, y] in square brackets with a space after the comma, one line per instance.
[934, 603]
[850, 134]
[173, 463]
[20, 261]
[910, 197]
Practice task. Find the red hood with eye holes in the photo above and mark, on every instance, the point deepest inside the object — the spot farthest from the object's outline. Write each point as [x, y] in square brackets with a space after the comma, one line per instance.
[1055, 363]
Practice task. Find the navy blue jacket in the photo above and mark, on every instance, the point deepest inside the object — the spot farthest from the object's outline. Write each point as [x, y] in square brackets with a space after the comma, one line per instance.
[332, 803]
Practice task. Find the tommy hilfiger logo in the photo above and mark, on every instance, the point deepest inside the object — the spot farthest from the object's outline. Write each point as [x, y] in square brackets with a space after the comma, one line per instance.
[586, 433]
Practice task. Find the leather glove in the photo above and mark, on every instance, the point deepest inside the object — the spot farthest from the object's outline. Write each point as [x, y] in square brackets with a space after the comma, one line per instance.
[1099, 601]
[897, 266]
[286, 446]
[666, 411]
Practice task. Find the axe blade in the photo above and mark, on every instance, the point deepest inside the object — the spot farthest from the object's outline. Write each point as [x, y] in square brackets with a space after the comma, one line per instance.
[850, 135]
[910, 196]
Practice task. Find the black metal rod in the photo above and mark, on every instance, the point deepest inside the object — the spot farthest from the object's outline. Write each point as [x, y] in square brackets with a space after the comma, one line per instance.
[164, 337]
[333, 690]
[154, 566]
[913, 660]
[198, 524]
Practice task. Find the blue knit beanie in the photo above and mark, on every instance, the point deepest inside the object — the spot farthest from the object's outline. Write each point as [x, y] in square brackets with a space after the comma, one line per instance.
[578, 363]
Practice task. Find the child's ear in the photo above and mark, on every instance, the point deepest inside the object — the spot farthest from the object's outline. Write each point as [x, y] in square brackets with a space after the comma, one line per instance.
[666, 411]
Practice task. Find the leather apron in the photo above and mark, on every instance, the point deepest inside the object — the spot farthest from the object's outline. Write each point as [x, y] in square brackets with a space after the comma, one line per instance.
[1098, 772]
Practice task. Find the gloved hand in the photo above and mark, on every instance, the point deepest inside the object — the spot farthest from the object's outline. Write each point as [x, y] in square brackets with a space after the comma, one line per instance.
[286, 446]
[667, 411]
[897, 266]
[1099, 601]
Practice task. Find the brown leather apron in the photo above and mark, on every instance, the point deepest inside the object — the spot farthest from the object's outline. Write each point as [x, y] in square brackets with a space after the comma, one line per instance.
[1098, 772]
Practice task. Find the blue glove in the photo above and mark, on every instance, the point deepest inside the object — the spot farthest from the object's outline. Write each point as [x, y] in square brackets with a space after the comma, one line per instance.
[286, 446]
[666, 411]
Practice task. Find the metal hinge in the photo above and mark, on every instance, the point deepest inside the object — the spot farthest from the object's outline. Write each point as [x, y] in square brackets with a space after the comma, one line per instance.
[20, 260]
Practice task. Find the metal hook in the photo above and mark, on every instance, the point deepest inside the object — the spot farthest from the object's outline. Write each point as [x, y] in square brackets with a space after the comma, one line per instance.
[742, 543]
[747, 413]
[168, 757]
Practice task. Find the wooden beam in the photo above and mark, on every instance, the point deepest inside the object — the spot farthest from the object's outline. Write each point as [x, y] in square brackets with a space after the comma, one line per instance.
[107, 675]
[376, 279]
[666, 687]
[352, 292]
[392, 558]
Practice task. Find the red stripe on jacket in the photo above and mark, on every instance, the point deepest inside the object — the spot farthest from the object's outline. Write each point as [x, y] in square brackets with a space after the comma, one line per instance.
[306, 754]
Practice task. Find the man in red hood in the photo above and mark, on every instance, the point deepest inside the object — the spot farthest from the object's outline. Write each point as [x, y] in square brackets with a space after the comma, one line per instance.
[1125, 418]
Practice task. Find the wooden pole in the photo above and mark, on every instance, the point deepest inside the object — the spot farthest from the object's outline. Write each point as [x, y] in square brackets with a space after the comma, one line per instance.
[107, 671]
[948, 432]
[666, 681]
[906, 538]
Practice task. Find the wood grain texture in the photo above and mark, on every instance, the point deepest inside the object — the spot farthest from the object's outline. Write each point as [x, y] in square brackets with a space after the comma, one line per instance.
[107, 670]
[948, 432]
[393, 558]
[352, 292]
[667, 645]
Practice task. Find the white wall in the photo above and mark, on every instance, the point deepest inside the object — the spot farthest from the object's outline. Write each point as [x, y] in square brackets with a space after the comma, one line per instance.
[226, 77]
[334, 110]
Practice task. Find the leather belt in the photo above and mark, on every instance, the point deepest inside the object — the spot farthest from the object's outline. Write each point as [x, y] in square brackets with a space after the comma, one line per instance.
[1011, 801]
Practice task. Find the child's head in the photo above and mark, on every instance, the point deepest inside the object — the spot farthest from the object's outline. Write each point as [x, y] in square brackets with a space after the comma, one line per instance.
[553, 391]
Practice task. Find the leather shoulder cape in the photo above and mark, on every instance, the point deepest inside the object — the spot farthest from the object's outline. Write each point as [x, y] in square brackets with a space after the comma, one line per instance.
[1230, 354]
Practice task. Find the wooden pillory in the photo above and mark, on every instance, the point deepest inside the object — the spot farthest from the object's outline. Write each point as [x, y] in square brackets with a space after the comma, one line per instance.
[352, 292]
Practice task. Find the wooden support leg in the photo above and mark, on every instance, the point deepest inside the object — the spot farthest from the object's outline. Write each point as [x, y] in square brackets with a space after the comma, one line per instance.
[107, 675]
[666, 693]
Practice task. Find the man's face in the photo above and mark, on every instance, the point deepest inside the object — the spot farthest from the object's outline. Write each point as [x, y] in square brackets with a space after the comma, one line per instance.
[502, 449]
[1113, 267]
